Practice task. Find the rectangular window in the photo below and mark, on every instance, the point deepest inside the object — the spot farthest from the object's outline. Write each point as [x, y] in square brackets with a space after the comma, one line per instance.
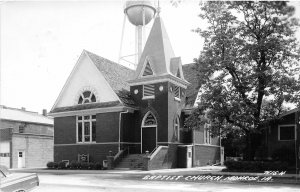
[21, 129]
[86, 129]
[207, 135]
[148, 91]
[94, 131]
[79, 131]
[286, 132]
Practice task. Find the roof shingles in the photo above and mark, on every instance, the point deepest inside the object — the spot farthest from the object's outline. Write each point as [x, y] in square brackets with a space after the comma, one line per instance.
[116, 75]
[191, 75]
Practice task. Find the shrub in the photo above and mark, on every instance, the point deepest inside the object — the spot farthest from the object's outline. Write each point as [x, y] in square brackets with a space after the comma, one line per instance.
[52, 165]
[74, 165]
[84, 165]
[62, 165]
[256, 166]
[98, 166]
[90, 165]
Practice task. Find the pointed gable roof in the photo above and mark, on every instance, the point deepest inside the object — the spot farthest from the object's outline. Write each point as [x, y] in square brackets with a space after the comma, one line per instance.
[158, 48]
[115, 76]
[159, 54]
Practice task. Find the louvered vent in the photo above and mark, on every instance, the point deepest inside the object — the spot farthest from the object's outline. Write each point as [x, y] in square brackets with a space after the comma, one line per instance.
[148, 70]
[148, 90]
[177, 91]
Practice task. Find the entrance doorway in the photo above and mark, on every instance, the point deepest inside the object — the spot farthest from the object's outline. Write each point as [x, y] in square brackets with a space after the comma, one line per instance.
[148, 133]
[21, 159]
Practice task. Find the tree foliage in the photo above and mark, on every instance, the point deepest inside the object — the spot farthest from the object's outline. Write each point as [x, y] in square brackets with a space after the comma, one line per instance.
[249, 66]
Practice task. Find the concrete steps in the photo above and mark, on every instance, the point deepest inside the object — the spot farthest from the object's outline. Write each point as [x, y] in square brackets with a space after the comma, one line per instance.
[132, 161]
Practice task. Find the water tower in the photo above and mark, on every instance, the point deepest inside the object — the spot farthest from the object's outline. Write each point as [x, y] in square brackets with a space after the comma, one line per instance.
[139, 13]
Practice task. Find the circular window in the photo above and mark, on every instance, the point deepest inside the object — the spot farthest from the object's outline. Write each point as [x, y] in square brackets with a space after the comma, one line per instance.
[87, 97]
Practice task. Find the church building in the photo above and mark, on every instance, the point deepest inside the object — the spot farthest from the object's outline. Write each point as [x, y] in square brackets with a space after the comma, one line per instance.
[106, 109]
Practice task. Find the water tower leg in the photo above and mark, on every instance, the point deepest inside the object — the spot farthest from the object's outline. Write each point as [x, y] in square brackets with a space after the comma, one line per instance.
[122, 36]
[140, 41]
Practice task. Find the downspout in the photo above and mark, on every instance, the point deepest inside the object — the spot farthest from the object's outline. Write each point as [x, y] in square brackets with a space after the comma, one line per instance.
[120, 124]
[296, 138]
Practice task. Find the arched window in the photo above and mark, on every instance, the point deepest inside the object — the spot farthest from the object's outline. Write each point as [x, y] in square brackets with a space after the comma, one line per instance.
[87, 97]
[149, 120]
[177, 128]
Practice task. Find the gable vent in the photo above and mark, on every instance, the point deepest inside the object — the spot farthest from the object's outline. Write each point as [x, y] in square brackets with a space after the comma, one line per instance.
[148, 70]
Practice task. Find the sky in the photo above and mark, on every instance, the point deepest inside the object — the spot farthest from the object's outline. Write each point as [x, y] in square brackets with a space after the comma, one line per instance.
[40, 42]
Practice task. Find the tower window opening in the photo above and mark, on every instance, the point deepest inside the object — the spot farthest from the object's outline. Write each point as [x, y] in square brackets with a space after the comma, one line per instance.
[148, 92]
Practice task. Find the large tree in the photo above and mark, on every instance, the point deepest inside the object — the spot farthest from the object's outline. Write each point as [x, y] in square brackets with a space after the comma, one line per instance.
[249, 66]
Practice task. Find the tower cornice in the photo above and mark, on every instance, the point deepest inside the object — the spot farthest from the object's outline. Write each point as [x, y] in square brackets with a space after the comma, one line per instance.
[158, 79]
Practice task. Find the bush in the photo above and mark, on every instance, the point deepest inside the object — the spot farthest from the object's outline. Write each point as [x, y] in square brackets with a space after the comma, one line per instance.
[62, 165]
[255, 166]
[84, 165]
[52, 165]
[75, 165]
[98, 166]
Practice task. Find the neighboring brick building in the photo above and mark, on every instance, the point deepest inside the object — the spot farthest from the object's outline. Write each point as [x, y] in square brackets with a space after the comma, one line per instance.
[26, 138]
[107, 107]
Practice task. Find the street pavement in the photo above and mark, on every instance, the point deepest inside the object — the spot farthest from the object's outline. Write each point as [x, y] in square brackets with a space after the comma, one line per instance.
[208, 178]
[117, 182]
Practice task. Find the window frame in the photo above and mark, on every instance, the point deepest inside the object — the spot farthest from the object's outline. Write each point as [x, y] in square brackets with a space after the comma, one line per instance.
[206, 134]
[82, 121]
[177, 128]
[286, 125]
[81, 96]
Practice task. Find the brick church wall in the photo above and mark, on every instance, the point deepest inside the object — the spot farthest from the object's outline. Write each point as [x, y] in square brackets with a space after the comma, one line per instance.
[96, 152]
[107, 138]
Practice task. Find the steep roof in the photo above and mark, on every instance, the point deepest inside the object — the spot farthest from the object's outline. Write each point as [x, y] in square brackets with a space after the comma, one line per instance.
[13, 114]
[190, 74]
[158, 59]
[158, 48]
[115, 74]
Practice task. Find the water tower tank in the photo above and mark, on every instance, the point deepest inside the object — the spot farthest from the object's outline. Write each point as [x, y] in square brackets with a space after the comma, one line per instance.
[139, 12]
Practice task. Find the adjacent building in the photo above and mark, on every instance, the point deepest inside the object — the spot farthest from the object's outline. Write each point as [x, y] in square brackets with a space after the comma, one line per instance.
[280, 138]
[26, 138]
[105, 108]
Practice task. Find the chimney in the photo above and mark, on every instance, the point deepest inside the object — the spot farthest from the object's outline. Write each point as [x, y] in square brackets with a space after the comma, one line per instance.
[45, 112]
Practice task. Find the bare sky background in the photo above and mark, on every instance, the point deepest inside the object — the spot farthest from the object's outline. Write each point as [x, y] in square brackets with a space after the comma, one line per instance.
[42, 40]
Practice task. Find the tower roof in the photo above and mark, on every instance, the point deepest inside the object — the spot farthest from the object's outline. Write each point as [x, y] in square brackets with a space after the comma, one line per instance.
[157, 49]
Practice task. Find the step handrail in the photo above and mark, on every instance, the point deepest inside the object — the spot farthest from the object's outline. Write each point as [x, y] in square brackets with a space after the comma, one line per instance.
[156, 150]
[119, 156]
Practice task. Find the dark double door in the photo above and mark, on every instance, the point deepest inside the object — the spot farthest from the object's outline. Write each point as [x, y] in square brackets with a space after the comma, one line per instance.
[148, 139]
